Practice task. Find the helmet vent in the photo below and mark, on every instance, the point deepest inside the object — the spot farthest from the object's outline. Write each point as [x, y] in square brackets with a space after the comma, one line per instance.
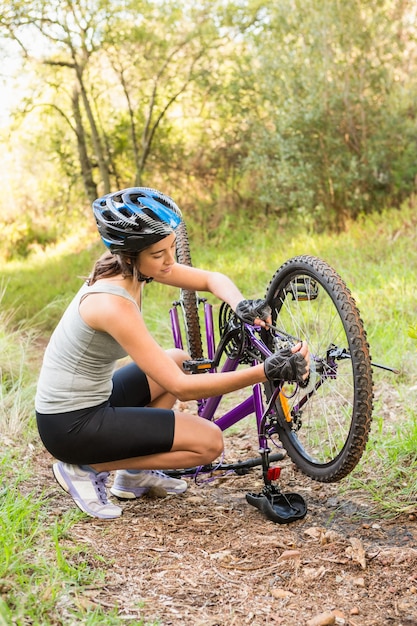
[162, 201]
[108, 216]
[125, 212]
[151, 214]
[135, 197]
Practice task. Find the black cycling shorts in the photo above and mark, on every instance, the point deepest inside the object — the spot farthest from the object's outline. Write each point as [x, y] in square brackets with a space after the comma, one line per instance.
[121, 428]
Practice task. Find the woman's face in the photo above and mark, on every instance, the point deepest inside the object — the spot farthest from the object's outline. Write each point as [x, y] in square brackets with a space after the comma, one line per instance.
[157, 260]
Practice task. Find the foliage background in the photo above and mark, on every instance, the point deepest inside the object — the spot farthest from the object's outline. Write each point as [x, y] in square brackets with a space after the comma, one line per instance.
[300, 111]
[280, 127]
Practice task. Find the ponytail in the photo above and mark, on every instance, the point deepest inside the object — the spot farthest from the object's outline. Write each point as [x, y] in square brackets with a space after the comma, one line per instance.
[109, 265]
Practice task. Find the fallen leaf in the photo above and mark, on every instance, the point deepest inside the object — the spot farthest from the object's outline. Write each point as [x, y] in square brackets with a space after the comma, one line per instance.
[220, 555]
[287, 555]
[312, 573]
[315, 532]
[281, 593]
[330, 537]
[323, 619]
[356, 551]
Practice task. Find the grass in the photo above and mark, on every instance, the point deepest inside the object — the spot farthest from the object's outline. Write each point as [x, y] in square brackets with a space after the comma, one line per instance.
[38, 288]
[377, 257]
[387, 471]
[44, 575]
[17, 377]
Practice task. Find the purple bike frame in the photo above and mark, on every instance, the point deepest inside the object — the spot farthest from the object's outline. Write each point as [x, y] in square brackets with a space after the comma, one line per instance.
[208, 406]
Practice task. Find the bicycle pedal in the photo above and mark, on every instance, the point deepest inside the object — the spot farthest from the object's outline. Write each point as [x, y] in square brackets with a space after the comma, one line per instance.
[198, 366]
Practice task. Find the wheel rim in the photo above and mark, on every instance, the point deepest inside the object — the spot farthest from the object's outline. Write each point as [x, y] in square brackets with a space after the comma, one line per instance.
[329, 422]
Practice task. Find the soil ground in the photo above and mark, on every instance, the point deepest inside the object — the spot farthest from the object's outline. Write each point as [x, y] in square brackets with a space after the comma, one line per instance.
[208, 558]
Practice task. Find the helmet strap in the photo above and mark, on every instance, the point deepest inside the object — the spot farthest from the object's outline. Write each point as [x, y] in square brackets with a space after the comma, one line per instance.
[144, 279]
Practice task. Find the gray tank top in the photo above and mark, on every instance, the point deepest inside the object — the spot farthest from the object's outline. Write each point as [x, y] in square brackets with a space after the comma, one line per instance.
[78, 362]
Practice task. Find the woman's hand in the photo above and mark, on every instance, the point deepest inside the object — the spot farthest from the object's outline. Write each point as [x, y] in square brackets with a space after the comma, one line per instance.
[291, 365]
[256, 312]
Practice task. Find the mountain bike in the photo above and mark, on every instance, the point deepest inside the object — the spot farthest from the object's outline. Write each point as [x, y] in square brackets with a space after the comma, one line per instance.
[324, 426]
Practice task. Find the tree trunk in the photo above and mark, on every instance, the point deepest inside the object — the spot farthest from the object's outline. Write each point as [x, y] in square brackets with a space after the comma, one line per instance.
[85, 163]
[95, 136]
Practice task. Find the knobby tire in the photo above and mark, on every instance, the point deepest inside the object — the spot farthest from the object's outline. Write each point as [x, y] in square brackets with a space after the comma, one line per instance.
[327, 436]
[189, 299]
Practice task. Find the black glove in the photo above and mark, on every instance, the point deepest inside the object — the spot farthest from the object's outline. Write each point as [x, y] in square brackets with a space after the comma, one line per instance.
[249, 310]
[286, 365]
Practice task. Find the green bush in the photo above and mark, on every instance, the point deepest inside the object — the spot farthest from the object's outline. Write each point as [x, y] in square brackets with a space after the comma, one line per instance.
[20, 237]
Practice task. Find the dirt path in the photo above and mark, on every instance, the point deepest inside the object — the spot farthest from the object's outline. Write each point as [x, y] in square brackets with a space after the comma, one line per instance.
[207, 558]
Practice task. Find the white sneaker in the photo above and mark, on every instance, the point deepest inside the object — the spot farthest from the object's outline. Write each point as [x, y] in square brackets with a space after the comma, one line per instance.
[87, 488]
[128, 486]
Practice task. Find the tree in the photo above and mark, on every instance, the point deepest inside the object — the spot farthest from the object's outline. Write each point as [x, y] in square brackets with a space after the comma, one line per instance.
[66, 35]
[297, 109]
[332, 80]
[105, 49]
[156, 62]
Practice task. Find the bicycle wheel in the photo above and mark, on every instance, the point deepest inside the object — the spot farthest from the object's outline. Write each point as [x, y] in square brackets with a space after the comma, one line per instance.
[189, 299]
[325, 426]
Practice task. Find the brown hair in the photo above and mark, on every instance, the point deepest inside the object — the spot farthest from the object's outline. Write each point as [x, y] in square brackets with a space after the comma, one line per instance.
[109, 265]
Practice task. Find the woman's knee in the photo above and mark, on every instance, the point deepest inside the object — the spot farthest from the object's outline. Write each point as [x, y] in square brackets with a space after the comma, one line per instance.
[198, 435]
[218, 442]
[178, 355]
[211, 444]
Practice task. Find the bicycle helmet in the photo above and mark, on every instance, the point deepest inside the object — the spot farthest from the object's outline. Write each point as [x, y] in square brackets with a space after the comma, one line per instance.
[133, 219]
